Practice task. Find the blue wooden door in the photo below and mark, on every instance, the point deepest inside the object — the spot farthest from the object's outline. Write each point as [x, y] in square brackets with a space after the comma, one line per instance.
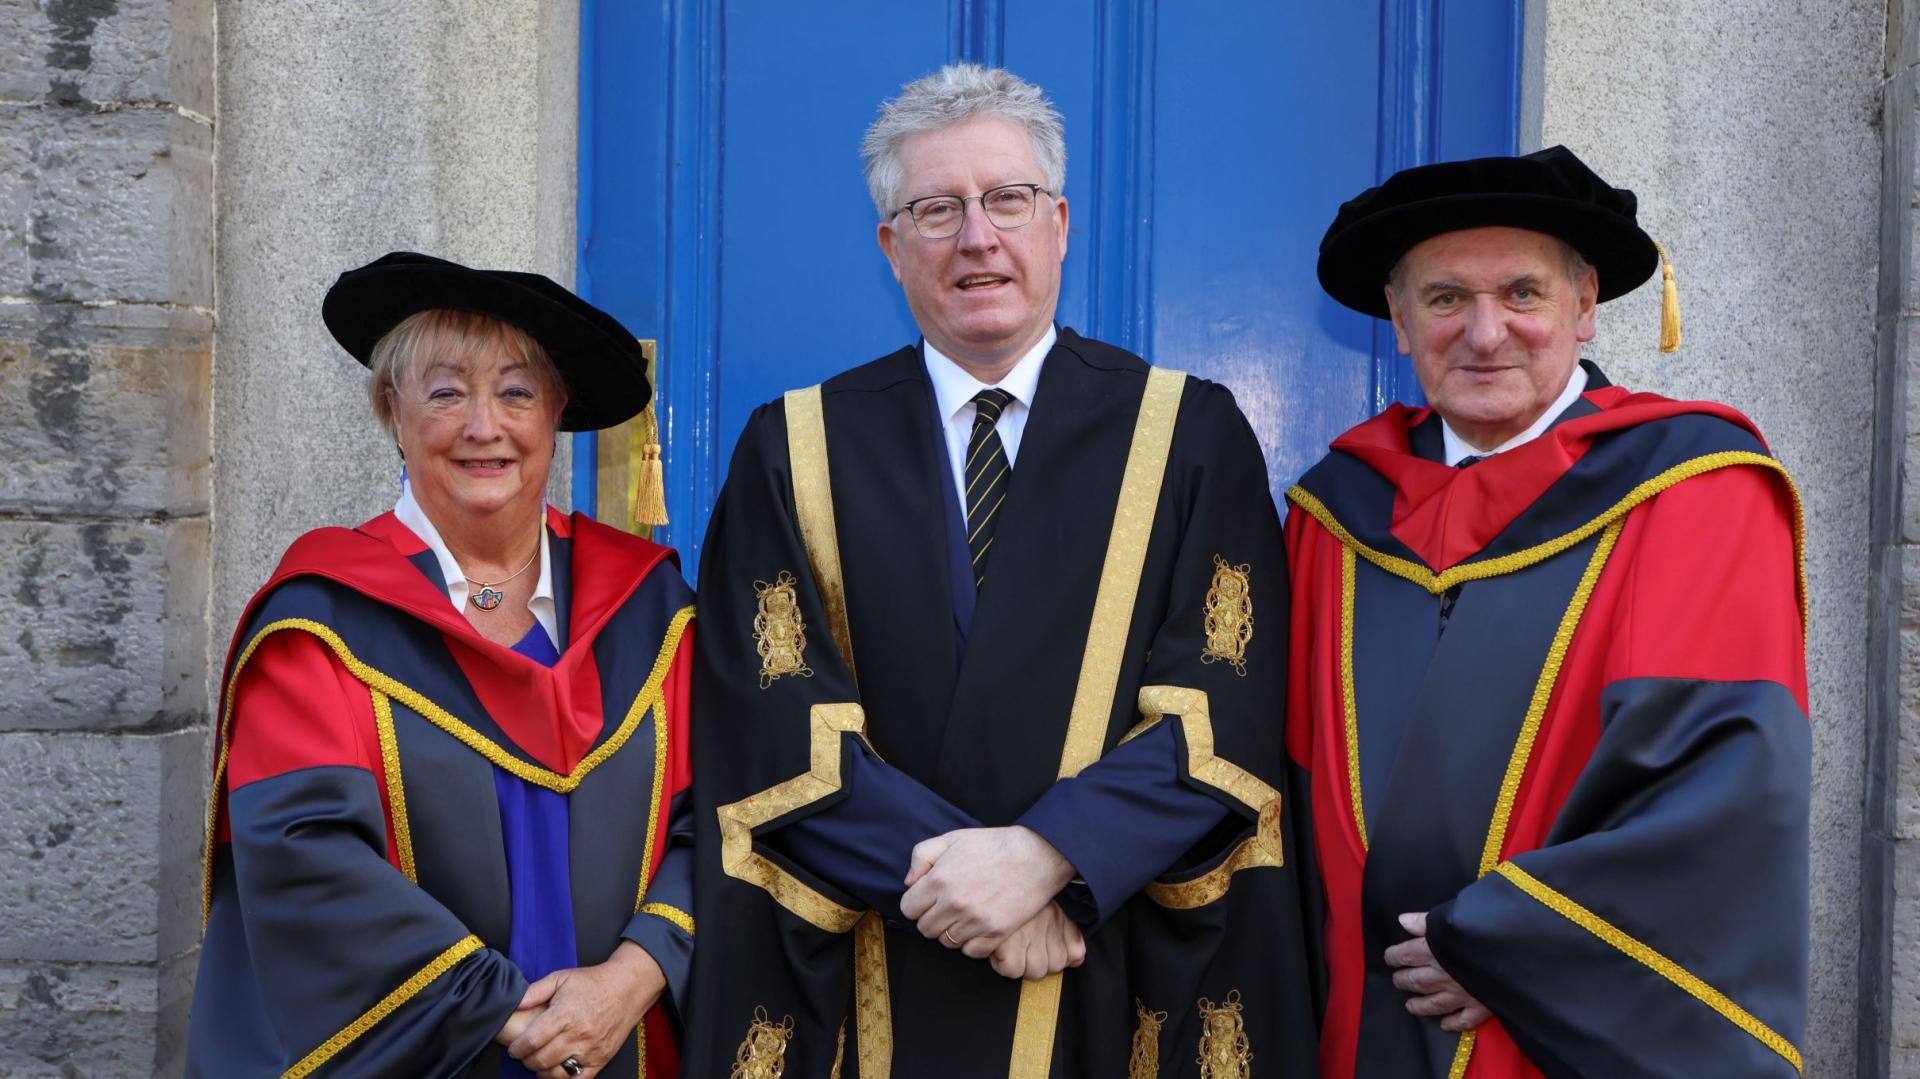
[723, 212]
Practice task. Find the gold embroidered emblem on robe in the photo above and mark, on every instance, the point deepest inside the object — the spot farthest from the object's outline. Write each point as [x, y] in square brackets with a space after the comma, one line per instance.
[1228, 615]
[763, 1052]
[1144, 1061]
[778, 632]
[1225, 1052]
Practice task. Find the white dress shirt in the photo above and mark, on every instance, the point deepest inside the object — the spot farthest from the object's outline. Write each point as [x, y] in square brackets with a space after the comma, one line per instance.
[954, 390]
[544, 610]
[1457, 447]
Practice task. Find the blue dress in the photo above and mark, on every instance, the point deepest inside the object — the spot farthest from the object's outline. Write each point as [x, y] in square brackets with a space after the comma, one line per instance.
[533, 822]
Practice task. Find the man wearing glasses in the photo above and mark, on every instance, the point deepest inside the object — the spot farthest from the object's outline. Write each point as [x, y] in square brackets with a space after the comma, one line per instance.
[993, 632]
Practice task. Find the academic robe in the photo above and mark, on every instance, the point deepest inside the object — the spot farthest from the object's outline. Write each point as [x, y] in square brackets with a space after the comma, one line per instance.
[854, 687]
[1558, 700]
[357, 890]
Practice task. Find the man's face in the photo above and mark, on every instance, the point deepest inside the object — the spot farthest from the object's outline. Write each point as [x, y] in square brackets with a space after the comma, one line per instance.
[985, 296]
[1494, 325]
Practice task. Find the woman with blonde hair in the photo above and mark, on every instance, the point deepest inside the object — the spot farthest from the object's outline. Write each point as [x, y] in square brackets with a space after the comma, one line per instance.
[451, 760]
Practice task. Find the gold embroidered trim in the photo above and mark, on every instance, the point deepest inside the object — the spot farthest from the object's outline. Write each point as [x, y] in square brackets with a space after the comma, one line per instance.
[1034, 1024]
[1462, 1054]
[1437, 583]
[1134, 510]
[813, 509]
[1650, 958]
[1263, 848]
[1225, 1051]
[763, 1052]
[1542, 695]
[1349, 588]
[370, 1018]
[1228, 616]
[396, 789]
[1144, 1061]
[1139, 729]
[839, 1051]
[1133, 516]
[872, 998]
[380, 682]
[1196, 724]
[671, 913]
[662, 732]
[1529, 732]
[779, 635]
[738, 819]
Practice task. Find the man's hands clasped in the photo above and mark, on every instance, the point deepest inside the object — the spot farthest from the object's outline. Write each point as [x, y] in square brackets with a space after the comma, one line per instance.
[989, 893]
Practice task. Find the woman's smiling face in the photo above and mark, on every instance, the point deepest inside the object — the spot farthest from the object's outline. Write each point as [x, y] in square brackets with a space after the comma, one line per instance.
[476, 423]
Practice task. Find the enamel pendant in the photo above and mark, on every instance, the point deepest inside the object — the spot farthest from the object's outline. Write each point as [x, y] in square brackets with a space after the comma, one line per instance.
[488, 598]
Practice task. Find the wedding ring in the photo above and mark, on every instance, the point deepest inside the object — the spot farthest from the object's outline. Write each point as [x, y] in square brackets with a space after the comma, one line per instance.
[571, 1065]
[947, 935]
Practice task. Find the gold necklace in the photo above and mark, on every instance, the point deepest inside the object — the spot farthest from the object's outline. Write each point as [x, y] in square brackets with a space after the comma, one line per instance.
[490, 595]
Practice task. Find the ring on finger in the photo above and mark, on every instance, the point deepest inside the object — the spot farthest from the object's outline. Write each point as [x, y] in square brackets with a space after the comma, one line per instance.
[571, 1065]
[947, 935]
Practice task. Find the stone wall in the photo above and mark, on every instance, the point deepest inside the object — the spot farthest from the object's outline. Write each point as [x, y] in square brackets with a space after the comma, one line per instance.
[445, 127]
[345, 130]
[106, 327]
[1751, 131]
[1890, 853]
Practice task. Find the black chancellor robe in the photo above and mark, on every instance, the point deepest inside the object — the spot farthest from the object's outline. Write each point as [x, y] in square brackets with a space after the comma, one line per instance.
[1152, 484]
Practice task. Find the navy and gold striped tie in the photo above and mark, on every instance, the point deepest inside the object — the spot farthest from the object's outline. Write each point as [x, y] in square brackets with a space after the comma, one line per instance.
[987, 473]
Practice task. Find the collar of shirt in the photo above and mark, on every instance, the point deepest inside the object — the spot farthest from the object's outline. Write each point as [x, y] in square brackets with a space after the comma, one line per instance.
[953, 393]
[545, 611]
[1457, 447]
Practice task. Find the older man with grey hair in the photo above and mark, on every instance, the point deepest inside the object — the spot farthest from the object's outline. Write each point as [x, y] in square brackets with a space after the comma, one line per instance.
[1548, 666]
[992, 633]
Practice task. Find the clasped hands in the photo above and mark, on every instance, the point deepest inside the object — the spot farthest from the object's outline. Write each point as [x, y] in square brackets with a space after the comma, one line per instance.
[989, 893]
[583, 1013]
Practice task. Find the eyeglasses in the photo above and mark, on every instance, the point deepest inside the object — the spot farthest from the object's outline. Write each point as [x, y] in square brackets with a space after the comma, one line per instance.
[937, 217]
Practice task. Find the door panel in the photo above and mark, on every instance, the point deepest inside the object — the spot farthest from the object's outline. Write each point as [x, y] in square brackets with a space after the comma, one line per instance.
[723, 210]
[1255, 149]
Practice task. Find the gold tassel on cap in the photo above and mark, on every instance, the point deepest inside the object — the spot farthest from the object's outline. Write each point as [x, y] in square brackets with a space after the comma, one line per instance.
[1669, 304]
[648, 504]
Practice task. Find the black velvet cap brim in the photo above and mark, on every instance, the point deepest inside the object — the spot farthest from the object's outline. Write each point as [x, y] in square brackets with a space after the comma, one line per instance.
[601, 363]
[1550, 191]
